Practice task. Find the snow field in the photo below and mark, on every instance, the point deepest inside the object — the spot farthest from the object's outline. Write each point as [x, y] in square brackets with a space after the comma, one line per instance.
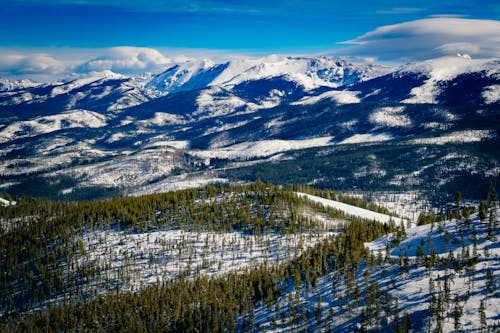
[409, 289]
[262, 148]
[340, 97]
[5, 202]
[43, 125]
[350, 210]
[456, 137]
[444, 238]
[370, 137]
[390, 117]
[141, 259]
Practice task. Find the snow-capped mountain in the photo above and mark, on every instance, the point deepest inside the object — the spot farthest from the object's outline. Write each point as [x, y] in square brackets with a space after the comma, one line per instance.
[198, 114]
[309, 72]
[186, 76]
[450, 80]
[9, 85]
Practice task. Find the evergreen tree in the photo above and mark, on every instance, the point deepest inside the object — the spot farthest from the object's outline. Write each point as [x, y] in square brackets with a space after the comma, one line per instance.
[482, 317]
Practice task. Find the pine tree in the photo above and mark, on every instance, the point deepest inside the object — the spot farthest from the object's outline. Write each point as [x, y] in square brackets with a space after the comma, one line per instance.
[482, 211]
[482, 317]
[457, 313]
[458, 199]
[407, 322]
[319, 310]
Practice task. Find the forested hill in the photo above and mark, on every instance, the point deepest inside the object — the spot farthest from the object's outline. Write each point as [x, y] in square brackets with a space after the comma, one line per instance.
[240, 258]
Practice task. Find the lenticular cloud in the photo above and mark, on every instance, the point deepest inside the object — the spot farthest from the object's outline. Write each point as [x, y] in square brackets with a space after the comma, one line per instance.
[426, 39]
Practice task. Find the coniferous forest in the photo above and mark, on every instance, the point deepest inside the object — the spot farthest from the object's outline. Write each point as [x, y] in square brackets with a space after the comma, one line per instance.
[69, 266]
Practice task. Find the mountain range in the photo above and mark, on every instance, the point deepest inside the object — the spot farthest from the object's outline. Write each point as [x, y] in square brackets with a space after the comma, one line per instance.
[200, 121]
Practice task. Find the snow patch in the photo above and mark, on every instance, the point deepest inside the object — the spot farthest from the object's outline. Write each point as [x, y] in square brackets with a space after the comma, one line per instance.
[47, 124]
[491, 94]
[5, 202]
[340, 97]
[349, 209]
[390, 117]
[162, 119]
[456, 137]
[262, 148]
[369, 137]
[445, 69]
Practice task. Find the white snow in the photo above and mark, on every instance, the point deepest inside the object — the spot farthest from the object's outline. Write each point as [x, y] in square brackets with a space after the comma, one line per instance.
[8, 85]
[302, 70]
[409, 289]
[178, 182]
[349, 124]
[262, 148]
[5, 202]
[338, 96]
[390, 117]
[310, 72]
[491, 94]
[176, 76]
[177, 144]
[64, 88]
[47, 124]
[216, 101]
[456, 137]
[125, 170]
[162, 119]
[349, 209]
[369, 137]
[150, 257]
[444, 238]
[445, 69]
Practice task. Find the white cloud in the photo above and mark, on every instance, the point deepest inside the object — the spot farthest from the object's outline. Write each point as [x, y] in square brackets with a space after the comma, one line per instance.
[426, 39]
[126, 60]
[34, 63]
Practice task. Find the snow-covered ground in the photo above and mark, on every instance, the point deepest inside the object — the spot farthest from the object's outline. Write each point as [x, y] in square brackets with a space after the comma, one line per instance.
[456, 137]
[370, 137]
[262, 148]
[340, 97]
[178, 182]
[125, 170]
[444, 238]
[350, 210]
[408, 288]
[445, 69]
[43, 125]
[491, 94]
[141, 259]
[390, 117]
[5, 202]
[408, 204]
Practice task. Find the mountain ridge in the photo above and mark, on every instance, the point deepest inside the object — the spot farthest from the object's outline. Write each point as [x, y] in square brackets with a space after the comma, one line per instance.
[225, 123]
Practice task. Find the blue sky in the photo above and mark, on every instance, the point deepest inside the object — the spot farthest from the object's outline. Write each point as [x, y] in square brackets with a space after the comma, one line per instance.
[258, 25]
[69, 29]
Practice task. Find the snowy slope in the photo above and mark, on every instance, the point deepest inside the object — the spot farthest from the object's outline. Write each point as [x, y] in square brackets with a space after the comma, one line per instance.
[406, 289]
[43, 125]
[350, 210]
[8, 85]
[156, 254]
[456, 137]
[5, 202]
[340, 97]
[309, 72]
[193, 74]
[261, 148]
[446, 69]
[445, 238]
